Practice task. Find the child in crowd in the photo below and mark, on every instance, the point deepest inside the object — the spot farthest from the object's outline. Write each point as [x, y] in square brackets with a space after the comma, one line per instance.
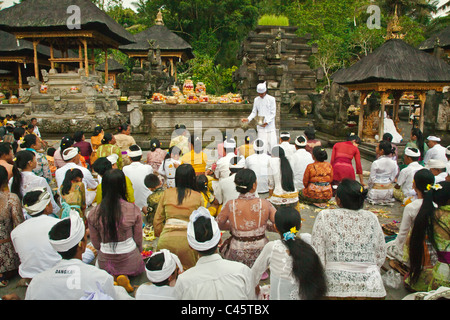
[203, 186]
[51, 160]
[73, 196]
[169, 166]
[154, 184]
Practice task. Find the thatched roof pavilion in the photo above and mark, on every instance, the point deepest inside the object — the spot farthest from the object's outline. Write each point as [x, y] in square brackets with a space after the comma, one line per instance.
[67, 24]
[395, 68]
[441, 38]
[173, 48]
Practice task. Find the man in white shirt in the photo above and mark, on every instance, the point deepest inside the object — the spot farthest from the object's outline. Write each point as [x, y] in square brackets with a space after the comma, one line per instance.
[71, 279]
[435, 151]
[265, 106]
[299, 161]
[30, 238]
[212, 278]
[223, 164]
[34, 122]
[72, 157]
[226, 188]
[259, 163]
[285, 143]
[438, 169]
[136, 172]
[406, 176]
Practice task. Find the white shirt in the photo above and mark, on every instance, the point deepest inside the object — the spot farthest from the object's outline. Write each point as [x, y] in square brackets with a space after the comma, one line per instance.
[265, 107]
[88, 180]
[440, 177]
[289, 149]
[148, 291]
[409, 215]
[226, 190]
[30, 181]
[283, 286]
[406, 177]
[36, 131]
[167, 170]
[351, 246]
[223, 166]
[69, 280]
[259, 163]
[299, 161]
[215, 278]
[137, 172]
[383, 170]
[436, 152]
[30, 240]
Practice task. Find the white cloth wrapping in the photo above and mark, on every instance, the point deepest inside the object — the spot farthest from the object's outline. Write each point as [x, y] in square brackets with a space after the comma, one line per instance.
[69, 153]
[410, 153]
[77, 232]
[121, 247]
[266, 107]
[38, 207]
[171, 261]
[261, 87]
[202, 246]
[437, 152]
[133, 154]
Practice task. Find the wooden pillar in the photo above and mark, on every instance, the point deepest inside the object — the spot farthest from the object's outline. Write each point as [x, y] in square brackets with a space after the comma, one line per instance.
[52, 56]
[384, 97]
[423, 98]
[93, 59]
[80, 56]
[19, 71]
[361, 113]
[397, 96]
[36, 63]
[86, 60]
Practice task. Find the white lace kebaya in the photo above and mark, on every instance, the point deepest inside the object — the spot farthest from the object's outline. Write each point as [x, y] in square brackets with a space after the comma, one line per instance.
[351, 246]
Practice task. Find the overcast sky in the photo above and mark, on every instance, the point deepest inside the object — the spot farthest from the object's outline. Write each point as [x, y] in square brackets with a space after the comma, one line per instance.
[8, 3]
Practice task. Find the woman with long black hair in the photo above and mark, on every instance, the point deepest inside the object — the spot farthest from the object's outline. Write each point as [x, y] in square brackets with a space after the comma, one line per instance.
[24, 179]
[73, 193]
[282, 190]
[109, 147]
[430, 239]
[172, 216]
[296, 271]
[115, 227]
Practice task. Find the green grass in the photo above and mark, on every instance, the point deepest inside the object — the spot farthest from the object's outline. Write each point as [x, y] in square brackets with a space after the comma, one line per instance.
[273, 20]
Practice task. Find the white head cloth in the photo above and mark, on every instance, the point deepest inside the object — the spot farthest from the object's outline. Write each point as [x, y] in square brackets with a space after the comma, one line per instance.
[434, 138]
[410, 153]
[77, 231]
[435, 164]
[70, 153]
[256, 147]
[41, 204]
[229, 143]
[261, 88]
[303, 144]
[285, 135]
[133, 154]
[112, 158]
[202, 246]
[240, 163]
[171, 261]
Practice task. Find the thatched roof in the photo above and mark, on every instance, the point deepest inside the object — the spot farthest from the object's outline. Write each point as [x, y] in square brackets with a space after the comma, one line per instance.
[444, 40]
[395, 61]
[51, 15]
[9, 47]
[113, 66]
[161, 37]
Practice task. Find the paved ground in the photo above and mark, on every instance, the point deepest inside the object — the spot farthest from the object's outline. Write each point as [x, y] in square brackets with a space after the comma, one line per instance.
[385, 215]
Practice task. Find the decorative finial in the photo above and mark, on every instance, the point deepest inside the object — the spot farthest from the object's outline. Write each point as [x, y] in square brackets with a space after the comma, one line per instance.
[394, 28]
[159, 19]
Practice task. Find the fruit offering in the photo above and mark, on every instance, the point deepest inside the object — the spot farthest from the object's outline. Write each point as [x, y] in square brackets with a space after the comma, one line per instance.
[192, 98]
[158, 98]
[13, 100]
[188, 87]
[43, 88]
[200, 89]
[203, 99]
